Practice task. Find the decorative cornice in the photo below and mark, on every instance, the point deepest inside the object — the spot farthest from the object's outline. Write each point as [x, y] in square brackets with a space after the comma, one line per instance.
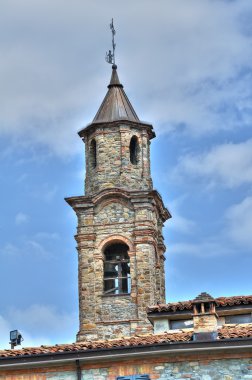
[90, 201]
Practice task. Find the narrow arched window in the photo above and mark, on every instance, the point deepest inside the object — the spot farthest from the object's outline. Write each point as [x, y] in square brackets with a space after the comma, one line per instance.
[134, 149]
[116, 269]
[93, 154]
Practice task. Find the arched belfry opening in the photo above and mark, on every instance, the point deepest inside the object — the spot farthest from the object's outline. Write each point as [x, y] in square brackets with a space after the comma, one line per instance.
[93, 154]
[134, 150]
[116, 269]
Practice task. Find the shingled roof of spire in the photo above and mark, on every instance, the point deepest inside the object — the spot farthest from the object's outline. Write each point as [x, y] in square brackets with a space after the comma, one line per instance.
[188, 305]
[116, 105]
[226, 332]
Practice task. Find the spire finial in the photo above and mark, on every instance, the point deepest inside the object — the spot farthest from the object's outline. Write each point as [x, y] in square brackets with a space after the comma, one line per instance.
[110, 56]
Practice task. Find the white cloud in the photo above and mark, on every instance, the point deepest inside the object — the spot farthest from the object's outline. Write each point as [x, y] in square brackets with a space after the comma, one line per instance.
[46, 236]
[53, 75]
[43, 318]
[35, 322]
[239, 223]
[179, 222]
[45, 192]
[234, 234]
[21, 218]
[198, 59]
[27, 247]
[182, 224]
[228, 164]
[5, 329]
[9, 249]
[211, 247]
[22, 178]
[49, 193]
[7, 325]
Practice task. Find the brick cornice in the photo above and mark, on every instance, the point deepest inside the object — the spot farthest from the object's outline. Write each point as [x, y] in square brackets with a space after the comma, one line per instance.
[93, 128]
[135, 197]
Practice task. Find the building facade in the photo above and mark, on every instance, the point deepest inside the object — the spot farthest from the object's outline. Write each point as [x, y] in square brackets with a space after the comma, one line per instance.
[127, 331]
[215, 345]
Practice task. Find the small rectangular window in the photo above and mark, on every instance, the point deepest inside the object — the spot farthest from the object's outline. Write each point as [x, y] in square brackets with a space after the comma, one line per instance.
[181, 324]
[240, 318]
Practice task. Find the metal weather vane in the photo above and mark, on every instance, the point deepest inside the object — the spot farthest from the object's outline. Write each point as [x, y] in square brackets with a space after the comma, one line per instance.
[110, 56]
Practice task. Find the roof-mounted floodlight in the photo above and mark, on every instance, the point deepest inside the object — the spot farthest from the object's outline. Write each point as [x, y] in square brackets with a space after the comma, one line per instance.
[15, 338]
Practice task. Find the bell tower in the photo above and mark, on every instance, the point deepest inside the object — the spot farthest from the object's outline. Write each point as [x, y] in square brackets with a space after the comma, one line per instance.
[120, 219]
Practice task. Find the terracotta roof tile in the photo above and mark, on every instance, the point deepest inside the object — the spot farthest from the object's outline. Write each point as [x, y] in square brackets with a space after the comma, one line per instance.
[203, 297]
[187, 305]
[139, 340]
[231, 301]
[226, 332]
[234, 332]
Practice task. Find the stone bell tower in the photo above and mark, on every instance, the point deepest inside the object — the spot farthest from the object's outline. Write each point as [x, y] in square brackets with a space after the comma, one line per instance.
[120, 219]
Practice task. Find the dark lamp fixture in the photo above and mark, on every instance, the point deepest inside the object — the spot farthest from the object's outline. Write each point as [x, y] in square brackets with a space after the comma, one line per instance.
[15, 338]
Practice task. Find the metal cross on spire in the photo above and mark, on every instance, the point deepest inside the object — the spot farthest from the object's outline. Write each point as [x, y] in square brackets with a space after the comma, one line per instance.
[110, 56]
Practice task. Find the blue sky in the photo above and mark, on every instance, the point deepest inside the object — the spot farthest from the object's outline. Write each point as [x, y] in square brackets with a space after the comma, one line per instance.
[186, 67]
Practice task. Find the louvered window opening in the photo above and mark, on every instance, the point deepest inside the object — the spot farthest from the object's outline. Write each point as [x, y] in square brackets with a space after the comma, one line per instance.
[117, 270]
[134, 150]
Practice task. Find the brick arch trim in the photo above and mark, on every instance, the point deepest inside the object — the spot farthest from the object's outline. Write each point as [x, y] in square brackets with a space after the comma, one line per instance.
[111, 194]
[115, 238]
[115, 201]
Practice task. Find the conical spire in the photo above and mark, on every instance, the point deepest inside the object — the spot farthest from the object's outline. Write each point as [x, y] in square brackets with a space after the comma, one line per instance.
[116, 105]
[114, 81]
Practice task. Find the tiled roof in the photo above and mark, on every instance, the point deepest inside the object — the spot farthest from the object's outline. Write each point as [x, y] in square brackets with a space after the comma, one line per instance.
[234, 332]
[175, 306]
[226, 332]
[231, 301]
[203, 297]
[139, 340]
[187, 305]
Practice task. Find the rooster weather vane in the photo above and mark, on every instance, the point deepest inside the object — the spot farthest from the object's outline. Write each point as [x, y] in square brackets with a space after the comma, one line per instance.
[110, 56]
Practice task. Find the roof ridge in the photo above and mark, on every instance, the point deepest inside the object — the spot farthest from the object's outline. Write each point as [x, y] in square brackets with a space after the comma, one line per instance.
[220, 302]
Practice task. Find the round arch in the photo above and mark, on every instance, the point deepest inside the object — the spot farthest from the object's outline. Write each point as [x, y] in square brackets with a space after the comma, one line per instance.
[117, 279]
[115, 239]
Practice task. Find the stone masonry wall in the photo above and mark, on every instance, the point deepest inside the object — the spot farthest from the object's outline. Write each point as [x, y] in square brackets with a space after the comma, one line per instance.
[114, 168]
[133, 221]
[119, 206]
[217, 368]
[205, 323]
